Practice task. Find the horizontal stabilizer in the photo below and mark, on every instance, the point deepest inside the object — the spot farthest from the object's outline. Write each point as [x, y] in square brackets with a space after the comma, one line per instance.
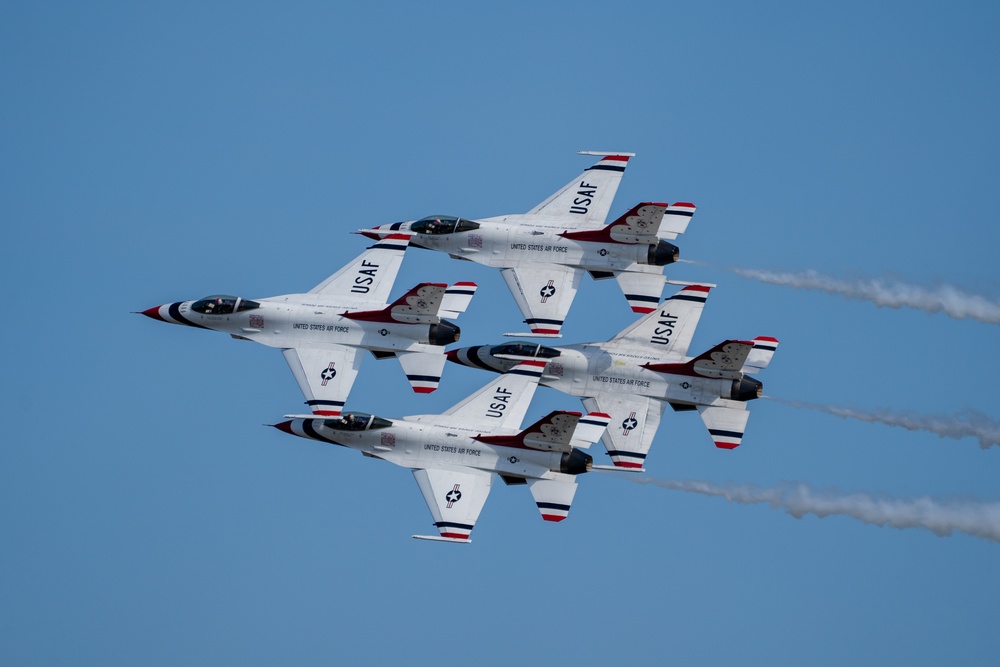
[437, 538]
[675, 220]
[418, 306]
[590, 429]
[423, 369]
[553, 497]
[725, 425]
[760, 355]
[724, 361]
[641, 290]
[617, 469]
[456, 299]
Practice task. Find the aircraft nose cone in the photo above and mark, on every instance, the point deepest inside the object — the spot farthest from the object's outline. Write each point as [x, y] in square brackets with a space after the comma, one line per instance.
[285, 426]
[153, 313]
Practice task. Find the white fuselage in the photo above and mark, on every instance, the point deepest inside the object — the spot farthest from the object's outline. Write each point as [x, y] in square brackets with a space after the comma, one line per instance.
[512, 240]
[592, 369]
[413, 444]
[295, 320]
[589, 370]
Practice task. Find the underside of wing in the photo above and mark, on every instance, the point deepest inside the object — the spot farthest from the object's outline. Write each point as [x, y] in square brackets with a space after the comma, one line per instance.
[544, 294]
[669, 328]
[502, 403]
[325, 375]
[369, 277]
[585, 201]
[455, 497]
[634, 420]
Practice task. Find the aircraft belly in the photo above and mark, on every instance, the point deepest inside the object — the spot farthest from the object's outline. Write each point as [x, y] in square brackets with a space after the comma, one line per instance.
[525, 462]
[455, 449]
[574, 386]
[689, 390]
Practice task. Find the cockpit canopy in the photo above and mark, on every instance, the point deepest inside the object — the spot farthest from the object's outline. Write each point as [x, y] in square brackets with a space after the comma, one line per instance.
[356, 421]
[443, 224]
[523, 349]
[222, 304]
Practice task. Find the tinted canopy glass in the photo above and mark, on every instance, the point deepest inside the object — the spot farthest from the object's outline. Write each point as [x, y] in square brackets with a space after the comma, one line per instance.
[443, 224]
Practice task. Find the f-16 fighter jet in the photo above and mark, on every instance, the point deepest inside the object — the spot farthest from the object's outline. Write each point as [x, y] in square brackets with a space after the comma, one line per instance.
[454, 455]
[636, 374]
[322, 333]
[544, 253]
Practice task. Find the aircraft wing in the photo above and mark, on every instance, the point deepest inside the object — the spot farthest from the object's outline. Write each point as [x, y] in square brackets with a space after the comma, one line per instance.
[544, 293]
[325, 375]
[455, 496]
[634, 420]
[501, 403]
[369, 277]
[584, 202]
[669, 328]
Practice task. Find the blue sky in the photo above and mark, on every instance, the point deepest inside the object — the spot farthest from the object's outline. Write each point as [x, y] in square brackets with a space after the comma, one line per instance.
[158, 153]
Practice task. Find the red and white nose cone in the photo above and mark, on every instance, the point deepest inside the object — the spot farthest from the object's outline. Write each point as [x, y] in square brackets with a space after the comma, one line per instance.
[375, 234]
[153, 313]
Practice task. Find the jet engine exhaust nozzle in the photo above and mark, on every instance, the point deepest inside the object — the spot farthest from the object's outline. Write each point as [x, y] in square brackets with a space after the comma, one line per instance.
[663, 253]
[746, 389]
[576, 462]
[444, 333]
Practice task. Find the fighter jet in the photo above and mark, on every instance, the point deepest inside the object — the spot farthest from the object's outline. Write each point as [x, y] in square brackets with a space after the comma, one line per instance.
[453, 455]
[323, 332]
[636, 374]
[544, 253]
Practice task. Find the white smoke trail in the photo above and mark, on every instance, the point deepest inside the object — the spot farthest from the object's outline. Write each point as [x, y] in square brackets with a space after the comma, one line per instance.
[977, 518]
[969, 423]
[886, 293]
